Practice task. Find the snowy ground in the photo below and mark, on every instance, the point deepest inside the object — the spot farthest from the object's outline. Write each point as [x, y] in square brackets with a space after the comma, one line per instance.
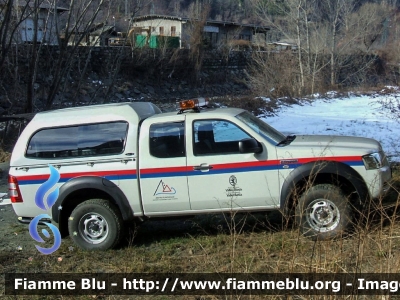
[353, 115]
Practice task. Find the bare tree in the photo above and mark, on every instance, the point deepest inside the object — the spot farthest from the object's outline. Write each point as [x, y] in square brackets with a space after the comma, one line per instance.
[33, 59]
[82, 15]
[333, 13]
[333, 28]
[198, 19]
[13, 14]
[291, 19]
[80, 18]
[365, 26]
[51, 71]
[351, 30]
[114, 65]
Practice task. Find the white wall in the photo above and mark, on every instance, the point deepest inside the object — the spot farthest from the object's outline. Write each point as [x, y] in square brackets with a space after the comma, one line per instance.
[156, 24]
[46, 31]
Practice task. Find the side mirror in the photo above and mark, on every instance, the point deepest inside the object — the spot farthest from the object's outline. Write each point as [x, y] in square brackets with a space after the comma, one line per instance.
[250, 145]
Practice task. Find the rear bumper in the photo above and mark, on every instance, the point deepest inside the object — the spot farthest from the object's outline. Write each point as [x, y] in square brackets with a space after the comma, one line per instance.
[27, 220]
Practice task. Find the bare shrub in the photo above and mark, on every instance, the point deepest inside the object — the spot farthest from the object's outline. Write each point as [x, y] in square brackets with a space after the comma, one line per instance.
[390, 104]
[197, 22]
[276, 75]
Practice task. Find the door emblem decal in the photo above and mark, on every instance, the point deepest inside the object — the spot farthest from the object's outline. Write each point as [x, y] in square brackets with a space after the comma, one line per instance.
[164, 189]
[233, 190]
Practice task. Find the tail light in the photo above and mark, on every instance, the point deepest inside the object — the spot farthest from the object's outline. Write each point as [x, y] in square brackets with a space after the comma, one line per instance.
[13, 188]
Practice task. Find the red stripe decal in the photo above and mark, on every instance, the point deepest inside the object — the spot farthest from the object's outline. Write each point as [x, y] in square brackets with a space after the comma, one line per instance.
[71, 175]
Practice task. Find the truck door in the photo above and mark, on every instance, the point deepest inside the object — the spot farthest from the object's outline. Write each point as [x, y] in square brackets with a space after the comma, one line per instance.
[162, 166]
[220, 177]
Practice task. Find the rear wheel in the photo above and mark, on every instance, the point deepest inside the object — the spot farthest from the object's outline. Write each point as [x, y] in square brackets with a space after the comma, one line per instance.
[323, 212]
[95, 224]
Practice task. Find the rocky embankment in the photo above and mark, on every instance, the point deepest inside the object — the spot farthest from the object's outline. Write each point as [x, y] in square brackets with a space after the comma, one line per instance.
[97, 90]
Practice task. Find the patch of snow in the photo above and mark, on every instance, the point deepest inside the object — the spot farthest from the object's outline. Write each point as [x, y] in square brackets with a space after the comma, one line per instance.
[357, 115]
[266, 99]
[332, 94]
[396, 88]
[316, 95]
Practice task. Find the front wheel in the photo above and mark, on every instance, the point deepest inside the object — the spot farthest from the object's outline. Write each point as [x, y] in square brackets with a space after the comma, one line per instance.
[95, 224]
[323, 212]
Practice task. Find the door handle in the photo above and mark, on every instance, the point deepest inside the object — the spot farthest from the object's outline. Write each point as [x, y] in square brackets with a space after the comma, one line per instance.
[203, 167]
[26, 169]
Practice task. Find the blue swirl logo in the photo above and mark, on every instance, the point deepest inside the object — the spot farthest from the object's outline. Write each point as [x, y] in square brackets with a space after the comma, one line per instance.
[45, 205]
[45, 187]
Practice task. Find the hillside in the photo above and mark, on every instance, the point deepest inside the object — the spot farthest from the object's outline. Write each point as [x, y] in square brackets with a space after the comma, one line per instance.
[243, 11]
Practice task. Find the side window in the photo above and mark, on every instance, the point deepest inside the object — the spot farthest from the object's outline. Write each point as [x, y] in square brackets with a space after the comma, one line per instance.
[167, 140]
[216, 137]
[77, 141]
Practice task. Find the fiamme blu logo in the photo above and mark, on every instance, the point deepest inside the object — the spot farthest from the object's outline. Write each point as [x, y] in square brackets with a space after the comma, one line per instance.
[45, 200]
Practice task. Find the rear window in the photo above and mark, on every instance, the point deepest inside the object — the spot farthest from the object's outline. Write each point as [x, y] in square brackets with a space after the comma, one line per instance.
[77, 141]
[167, 140]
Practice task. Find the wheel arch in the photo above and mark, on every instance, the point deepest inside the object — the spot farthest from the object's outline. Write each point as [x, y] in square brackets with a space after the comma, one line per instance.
[322, 172]
[79, 189]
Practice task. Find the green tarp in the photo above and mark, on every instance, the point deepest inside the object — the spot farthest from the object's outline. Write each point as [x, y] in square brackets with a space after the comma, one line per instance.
[156, 41]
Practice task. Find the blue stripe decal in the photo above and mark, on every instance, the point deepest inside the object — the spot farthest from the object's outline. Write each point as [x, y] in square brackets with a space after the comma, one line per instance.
[166, 174]
[124, 177]
[25, 182]
[233, 170]
[355, 163]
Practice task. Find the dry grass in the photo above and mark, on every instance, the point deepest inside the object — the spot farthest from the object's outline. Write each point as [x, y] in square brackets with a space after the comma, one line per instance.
[4, 156]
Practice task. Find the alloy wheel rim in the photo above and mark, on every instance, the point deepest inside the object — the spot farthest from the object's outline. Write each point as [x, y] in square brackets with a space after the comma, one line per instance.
[93, 227]
[323, 215]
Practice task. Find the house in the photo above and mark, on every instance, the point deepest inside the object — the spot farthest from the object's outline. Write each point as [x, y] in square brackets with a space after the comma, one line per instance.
[47, 20]
[96, 35]
[215, 33]
[283, 45]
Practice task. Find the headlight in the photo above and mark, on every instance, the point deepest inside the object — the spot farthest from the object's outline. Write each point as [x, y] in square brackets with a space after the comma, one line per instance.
[372, 161]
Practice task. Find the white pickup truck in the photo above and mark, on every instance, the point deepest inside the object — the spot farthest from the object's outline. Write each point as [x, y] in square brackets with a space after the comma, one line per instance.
[124, 162]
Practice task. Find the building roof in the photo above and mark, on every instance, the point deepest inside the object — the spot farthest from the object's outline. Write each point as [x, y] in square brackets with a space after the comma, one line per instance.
[102, 29]
[209, 22]
[49, 7]
[31, 4]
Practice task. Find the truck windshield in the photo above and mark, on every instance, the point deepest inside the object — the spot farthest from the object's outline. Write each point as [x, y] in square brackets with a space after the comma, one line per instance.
[268, 132]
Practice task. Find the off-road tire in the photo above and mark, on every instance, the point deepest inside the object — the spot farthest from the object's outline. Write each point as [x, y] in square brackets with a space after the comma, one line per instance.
[95, 224]
[323, 212]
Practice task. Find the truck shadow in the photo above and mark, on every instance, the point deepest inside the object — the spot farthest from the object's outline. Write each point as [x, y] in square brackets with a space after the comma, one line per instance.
[378, 216]
[206, 225]
[381, 214]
